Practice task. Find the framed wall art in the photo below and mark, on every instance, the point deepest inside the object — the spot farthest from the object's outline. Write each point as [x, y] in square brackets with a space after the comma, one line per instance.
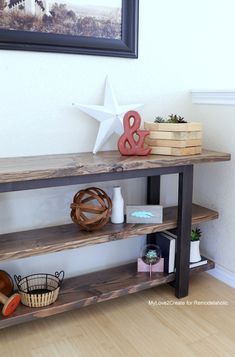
[95, 27]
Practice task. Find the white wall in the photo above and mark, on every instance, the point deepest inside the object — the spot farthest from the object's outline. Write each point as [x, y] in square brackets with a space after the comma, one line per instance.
[214, 184]
[37, 117]
[213, 68]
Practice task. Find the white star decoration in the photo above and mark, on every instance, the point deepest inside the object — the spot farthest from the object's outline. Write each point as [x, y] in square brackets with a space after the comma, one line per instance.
[110, 115]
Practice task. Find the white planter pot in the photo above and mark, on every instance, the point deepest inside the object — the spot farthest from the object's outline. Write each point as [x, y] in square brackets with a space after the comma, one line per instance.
[195, 252]
[117, 206]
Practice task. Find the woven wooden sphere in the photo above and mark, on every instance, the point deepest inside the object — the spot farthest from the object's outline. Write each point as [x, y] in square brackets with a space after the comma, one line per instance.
[91, 208]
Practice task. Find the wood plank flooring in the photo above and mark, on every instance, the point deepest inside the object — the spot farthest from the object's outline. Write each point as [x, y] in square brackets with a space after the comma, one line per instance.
[130, 327]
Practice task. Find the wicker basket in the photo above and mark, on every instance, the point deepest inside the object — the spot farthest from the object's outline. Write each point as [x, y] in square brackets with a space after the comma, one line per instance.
[38, 290]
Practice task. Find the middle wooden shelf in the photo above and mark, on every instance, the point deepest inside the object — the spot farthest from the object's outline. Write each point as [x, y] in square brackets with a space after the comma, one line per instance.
[69, 236]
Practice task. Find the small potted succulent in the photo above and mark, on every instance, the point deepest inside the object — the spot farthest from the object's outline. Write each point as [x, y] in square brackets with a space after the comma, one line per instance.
[172, 119]
[194, 245]
[174, 136]
[151, 256]
[171, 123]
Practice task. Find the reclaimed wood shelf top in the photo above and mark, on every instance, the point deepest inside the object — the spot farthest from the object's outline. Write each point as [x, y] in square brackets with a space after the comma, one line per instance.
[95, 287]
[69, 236]
[15, 169]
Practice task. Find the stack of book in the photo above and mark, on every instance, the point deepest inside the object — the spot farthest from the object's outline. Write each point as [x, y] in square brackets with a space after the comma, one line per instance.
[167, 242]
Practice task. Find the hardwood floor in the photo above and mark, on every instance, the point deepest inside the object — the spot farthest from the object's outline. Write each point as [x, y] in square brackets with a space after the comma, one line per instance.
[130, 327]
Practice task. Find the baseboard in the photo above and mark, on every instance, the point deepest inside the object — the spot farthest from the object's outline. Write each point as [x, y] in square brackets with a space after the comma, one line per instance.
[224, 275]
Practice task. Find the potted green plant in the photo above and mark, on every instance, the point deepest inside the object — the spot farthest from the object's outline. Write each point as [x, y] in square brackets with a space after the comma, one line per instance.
[194, 245]
[171, 123]
[172, 119]
[174, 136]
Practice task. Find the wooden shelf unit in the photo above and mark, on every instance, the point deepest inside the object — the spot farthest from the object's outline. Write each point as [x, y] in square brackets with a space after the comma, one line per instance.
[58, 170]
[96, 287]
[69, 236]
[23, 173]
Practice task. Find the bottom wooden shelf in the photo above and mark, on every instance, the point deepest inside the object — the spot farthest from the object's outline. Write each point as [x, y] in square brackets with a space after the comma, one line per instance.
[95, 287]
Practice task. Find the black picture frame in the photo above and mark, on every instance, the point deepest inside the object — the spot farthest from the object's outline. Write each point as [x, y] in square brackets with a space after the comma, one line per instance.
[46, 42]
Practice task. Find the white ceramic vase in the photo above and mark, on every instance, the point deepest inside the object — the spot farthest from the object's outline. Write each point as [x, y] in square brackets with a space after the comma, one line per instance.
[117, 206]
[195, 251]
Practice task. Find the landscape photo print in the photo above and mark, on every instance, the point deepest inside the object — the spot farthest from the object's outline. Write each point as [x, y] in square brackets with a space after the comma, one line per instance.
[76, 26]
[94, 18]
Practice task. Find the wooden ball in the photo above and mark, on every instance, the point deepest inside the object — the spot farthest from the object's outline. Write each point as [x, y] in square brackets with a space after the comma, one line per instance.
[91, 208]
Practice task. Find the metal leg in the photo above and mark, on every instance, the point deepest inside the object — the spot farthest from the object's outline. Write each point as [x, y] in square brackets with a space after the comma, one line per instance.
[153, 190]
[184, 231]
[153, 198]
